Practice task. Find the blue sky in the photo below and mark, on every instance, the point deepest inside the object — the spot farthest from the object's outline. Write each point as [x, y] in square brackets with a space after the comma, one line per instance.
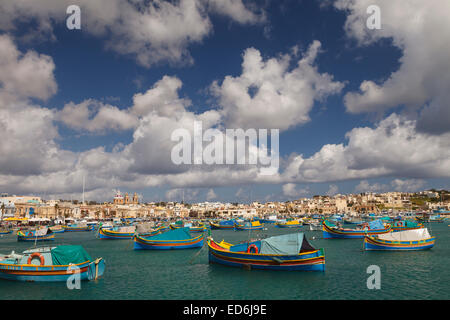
[87, 66]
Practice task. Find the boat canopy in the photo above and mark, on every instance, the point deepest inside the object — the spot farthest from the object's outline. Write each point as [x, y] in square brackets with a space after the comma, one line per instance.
[177, 234]
[144, 227]
[287, 244]
[407, 235]
[126, 229]
[65, 255]
[42, 232]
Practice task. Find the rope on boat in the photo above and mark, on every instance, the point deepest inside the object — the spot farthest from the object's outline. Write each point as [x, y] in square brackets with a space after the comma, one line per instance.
[196, 255]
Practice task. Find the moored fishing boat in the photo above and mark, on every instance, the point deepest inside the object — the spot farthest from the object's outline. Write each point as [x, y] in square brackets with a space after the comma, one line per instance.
[173, 239]
[289, 224]
[228, 224]
[117, 233]
[331, 231]
[51, 264]
[254, 225]
[44, 234]
[78, 227]
[408, 240]
[193, 226]
[285, 252]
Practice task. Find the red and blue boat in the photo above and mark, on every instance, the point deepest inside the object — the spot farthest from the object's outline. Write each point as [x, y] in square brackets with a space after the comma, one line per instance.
[285, 252]
[173, 239]
[408, 240]
[51, 264]
[117, 233]
[331, 231]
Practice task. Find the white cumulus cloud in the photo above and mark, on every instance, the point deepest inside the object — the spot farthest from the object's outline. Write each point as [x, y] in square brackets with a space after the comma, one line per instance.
[270, 94]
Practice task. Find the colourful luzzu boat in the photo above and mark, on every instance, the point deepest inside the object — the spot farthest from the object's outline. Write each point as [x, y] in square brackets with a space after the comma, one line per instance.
[78, 227]
[408, 240]
[289, 224]
[331, 231]
[403, 225]
[51, 264]
[227, 225]
[173, 239]
[117, 233]
[43, 234]
[254, 225]
[285, 252]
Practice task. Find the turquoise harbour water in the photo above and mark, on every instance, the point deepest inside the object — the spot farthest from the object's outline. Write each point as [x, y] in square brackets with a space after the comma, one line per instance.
[182, 274]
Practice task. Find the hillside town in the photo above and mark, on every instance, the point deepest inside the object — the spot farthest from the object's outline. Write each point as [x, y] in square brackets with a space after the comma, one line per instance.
[124, 205]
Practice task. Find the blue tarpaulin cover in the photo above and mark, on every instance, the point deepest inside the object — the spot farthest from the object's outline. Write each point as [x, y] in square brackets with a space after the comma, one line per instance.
[376, 224]
[287, 244]
[177, 234]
